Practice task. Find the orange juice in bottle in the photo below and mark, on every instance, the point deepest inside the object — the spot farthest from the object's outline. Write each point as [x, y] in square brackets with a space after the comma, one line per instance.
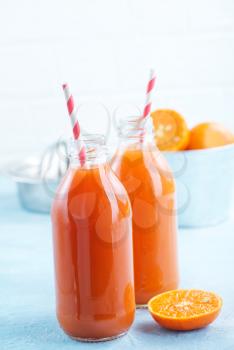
[92, 236]
[151, 188]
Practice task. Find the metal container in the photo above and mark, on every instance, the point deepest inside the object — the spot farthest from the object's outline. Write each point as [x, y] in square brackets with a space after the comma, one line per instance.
[38, 177]
[35, 191]
[205, 184]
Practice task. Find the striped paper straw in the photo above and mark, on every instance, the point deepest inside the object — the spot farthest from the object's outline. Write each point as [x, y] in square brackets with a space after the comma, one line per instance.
[149, 90]
[74, 123]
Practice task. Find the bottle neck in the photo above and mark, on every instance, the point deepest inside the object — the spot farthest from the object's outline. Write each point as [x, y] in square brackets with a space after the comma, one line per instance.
[95, 151]
[136, 132]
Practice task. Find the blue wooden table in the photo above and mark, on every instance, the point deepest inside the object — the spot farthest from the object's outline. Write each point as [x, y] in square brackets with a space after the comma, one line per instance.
[27, 303]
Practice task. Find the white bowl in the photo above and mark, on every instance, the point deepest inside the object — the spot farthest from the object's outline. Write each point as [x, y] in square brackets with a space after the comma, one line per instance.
[205, 184]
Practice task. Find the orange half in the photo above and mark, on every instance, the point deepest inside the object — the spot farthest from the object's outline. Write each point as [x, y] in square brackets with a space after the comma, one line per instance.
[171, 130]
[184, 310]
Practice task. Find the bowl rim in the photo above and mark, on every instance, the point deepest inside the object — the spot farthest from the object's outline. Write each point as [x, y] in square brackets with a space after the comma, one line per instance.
[16, 172]
[203, 150]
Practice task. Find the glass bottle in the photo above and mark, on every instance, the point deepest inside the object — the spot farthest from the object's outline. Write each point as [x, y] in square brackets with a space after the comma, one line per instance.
[148, 180]
[92, 237]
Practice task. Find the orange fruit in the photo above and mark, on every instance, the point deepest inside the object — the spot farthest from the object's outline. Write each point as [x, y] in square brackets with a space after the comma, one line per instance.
[171, 131]
[207, 135]
[185, 309]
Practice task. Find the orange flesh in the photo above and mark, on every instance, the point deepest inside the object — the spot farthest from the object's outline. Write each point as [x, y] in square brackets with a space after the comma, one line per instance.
[208, 135]
[185, 309]
[182, 304]
[151, 190]
[171, 131]
[92, 252]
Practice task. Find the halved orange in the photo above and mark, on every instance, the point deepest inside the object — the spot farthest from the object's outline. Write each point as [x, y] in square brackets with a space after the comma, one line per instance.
[208, 135]
[171, 130]
[185, 309]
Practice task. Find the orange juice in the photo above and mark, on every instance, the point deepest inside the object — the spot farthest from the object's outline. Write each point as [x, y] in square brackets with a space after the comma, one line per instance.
[92, 236]
[151, 189]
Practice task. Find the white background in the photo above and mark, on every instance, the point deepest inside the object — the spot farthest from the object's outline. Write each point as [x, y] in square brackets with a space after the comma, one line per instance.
[104, 49]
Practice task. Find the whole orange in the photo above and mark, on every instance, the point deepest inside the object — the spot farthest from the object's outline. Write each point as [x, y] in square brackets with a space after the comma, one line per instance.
[208, 135]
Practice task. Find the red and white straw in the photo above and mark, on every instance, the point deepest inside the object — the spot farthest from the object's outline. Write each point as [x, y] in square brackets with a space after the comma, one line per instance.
[150, 87]
[74, 123]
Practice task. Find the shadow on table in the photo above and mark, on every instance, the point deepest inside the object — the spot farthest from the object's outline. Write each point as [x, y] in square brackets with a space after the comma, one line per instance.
[33, 332]
[150, 327]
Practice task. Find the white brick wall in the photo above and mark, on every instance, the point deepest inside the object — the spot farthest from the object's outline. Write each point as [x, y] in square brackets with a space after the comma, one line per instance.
[104, 48]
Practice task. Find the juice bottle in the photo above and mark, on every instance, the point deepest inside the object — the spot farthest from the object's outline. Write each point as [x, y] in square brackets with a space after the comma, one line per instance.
[92, 236]
[151, 188]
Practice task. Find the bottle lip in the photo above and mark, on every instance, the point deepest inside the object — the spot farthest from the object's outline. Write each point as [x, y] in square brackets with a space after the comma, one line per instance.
[98, 139]
[130, 120]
